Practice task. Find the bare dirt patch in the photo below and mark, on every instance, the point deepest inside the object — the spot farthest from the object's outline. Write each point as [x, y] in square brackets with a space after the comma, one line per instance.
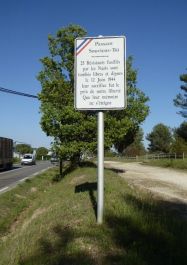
[168, 184]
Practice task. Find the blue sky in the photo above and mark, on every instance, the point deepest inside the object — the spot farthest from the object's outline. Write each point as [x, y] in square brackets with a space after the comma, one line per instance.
[156, 36]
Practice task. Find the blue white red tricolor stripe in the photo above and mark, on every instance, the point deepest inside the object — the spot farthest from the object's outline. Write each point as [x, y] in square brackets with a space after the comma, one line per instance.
[82, 45]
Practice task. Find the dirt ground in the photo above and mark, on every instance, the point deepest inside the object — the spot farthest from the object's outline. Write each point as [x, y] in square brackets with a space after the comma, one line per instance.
[168, 184]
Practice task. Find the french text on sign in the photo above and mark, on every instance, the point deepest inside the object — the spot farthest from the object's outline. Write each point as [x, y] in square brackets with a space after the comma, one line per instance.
[100, 79]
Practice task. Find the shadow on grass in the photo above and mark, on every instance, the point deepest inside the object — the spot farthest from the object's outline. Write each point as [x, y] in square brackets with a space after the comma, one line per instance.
[90, 188]
[176, 208]
[149, 235]
[68, 168]
[87, 164]
[116, 170]
[59, 251]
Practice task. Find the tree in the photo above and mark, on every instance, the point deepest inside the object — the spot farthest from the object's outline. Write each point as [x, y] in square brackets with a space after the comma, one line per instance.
[181, 99]
[136, 148]
[180, 139]
[160, 139]
[181, 131]
[41, 152]
[179, 145]
[23, 148]
[122, 126]
[74, 132]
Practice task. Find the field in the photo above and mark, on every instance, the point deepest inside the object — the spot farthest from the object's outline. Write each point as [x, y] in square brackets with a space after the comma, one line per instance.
[48, 222]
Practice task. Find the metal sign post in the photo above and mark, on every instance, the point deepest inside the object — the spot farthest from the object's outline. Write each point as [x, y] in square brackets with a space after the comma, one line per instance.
[100, 84]
[100, 180]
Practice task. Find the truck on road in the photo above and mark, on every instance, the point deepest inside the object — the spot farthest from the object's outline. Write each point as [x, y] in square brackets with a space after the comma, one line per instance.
[6, 153]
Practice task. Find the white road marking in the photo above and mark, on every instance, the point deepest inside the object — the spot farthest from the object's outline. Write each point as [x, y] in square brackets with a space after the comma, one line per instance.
[5, 188]
[35, 174]
[21, 180]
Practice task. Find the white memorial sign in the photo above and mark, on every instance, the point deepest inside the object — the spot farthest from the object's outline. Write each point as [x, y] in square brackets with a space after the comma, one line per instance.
[100, 73]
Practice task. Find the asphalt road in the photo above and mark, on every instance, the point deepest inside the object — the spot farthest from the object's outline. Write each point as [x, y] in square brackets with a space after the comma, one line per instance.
[11, 178]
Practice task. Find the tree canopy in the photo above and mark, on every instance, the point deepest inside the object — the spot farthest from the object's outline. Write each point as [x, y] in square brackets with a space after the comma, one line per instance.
[74, 131]
[136, 148]
[41, 152]
[23, 148]
[181, 98]
[181, 131]
[160, 139]
[180, 139]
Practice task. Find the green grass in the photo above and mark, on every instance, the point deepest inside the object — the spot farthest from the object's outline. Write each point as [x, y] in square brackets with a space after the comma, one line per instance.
[173, 163]
[52, 223]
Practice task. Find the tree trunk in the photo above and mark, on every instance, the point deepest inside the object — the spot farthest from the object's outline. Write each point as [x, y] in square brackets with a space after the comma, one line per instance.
[60, 168]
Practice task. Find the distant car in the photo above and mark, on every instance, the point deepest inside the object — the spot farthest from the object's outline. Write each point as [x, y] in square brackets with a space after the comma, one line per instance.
[28, 159]
[54, 160]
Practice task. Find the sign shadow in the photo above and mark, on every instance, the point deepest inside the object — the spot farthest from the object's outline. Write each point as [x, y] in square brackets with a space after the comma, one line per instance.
[89, 187]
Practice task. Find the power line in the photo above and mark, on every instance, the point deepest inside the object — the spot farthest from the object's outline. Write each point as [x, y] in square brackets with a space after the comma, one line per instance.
[5, 90]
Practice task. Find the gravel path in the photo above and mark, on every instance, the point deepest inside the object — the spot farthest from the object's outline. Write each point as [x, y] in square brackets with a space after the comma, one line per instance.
[169, 184]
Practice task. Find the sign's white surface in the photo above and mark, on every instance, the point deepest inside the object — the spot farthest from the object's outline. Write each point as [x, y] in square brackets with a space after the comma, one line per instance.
[100, 79]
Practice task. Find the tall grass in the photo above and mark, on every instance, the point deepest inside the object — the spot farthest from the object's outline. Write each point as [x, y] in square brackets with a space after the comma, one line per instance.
[173, 163]
[57, 224]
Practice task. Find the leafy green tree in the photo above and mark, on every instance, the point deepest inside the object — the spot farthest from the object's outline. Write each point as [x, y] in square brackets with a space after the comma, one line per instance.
[23, 148]
[74, 131]
[180, 139]
[41, 152]
[137, 147]
[181, 131]
[160, 139]
[179, 145]
[181, 99]
[122, 126]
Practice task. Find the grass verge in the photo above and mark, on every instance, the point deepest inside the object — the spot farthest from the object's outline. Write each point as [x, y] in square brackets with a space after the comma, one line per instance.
[51, 223]
[173, 163]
